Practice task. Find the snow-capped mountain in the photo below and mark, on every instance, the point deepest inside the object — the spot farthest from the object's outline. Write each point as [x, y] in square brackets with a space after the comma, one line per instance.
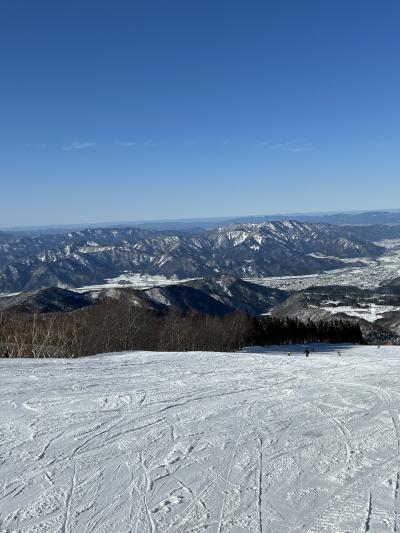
[244, 250]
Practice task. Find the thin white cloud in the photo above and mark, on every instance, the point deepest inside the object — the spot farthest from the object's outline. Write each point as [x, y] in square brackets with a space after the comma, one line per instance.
[69, 147]
[126, 144]
[290, 146]
[152, 144]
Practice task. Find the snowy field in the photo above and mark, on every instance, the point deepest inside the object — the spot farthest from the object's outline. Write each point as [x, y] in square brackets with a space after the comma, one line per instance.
[369, 312]
[133, 281]
[165, 442]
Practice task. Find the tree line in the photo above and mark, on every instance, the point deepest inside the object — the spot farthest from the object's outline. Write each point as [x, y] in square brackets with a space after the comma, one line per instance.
[119, 325]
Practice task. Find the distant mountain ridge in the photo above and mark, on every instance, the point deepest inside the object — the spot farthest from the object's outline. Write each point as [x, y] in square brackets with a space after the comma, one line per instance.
[216, 296]
[391, 217]
[366, 218]
[49, 300]
[87, 257]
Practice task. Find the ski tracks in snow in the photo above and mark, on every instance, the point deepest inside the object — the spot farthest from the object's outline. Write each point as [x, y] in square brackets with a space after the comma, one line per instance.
[154, 442]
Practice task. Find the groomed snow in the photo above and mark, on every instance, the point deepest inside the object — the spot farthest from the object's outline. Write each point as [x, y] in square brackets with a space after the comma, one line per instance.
[187, 442]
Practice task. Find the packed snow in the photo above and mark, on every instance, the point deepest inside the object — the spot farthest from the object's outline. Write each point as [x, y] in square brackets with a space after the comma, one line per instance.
[257, 441]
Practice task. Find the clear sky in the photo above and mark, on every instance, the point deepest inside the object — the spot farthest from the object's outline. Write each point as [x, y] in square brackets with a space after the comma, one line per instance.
[128, 110]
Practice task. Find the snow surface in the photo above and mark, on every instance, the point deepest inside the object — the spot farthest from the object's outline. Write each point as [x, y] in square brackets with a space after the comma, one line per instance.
[187, 442]
[8, 294]
[133, 281]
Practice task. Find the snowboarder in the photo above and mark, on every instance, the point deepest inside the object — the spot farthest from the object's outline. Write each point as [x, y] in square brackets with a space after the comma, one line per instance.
[307, 352]
[339, 354]
[289, 354]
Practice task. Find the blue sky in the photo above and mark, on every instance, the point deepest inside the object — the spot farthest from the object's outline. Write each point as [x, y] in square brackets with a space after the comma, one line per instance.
[128, 110]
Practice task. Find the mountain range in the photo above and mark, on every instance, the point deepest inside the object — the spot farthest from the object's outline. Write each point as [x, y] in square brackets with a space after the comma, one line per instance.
[90, 256]
[213, 296]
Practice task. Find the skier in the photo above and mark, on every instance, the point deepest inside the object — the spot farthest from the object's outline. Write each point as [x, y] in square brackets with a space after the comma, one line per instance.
[339, 354]
[307, 352]
[289, 354]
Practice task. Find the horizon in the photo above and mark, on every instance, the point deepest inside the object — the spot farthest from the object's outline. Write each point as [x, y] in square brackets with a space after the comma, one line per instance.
[121, 223]
[149, 111]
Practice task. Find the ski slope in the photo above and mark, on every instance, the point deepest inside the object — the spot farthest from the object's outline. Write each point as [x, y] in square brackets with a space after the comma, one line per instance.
[188, 442]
